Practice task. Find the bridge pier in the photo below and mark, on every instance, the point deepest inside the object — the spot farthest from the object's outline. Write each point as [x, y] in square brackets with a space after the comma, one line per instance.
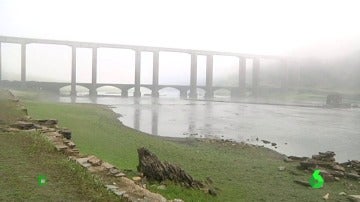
[155, 84]
[73, 71]
[193, 77]
[23, 62]
[183, 93]
[92, 90]
[124, 93]
[255, 76]
[137, 92]
[209, 77]
[242, 75]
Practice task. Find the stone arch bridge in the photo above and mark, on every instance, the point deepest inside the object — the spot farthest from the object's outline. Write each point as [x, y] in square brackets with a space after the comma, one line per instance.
[185, 90]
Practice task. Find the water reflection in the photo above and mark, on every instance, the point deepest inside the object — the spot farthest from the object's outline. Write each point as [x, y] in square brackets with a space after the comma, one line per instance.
[296, 130]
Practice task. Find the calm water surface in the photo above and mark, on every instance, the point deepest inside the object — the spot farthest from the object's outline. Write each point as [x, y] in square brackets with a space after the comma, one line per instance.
[300, 131]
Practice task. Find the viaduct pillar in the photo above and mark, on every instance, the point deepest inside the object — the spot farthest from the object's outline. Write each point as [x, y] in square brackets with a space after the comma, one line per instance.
[193, 77]
[73, 71]
[23, 62]
[93, 72]
[255, 75]
[155, 84]
[209, 77]
[240, 90]
[137, 92]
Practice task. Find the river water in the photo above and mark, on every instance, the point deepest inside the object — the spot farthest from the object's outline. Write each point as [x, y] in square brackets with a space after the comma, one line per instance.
[300, 131]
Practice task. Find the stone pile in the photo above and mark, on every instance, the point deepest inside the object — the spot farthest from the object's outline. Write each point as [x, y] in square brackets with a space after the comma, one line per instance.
[122, 186]
[329, 168]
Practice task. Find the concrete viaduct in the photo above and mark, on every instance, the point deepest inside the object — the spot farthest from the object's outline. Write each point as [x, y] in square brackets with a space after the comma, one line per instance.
[154, 87]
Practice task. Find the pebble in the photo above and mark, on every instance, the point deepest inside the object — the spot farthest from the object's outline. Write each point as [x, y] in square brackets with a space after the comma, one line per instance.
[342, 193]
[281, 168]
[137, 178]
[326, 196]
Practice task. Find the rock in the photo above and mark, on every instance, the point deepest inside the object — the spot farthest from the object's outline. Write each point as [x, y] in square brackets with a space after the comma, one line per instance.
[61, 147]
[287, 160]
[354, 198]
[114, 171]
[265, 141]
[326, 196]
[304, 183]
[336, 178]
[295, 158]
[83, 162]
[95, 169]
[154, 169]
[70, 144]
[107, 165]
[334, 100]
[281, 168]
[136, 178]
[93, 160]
[327, 175]
[212, 192]
[342, 193]
[273, 144]
[47, 122]
[110, 187]
[352, 176]
[120, 175]
[118, 192]
[66, 133]
[23, 125]
[339, 168]
[161, 187]
[337, 173]
[177, 200]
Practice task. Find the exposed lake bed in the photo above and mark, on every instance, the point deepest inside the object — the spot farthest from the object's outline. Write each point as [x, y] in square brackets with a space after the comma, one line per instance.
[291, 130]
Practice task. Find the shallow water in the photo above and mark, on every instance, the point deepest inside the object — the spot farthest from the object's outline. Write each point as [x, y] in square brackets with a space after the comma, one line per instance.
[300, 131]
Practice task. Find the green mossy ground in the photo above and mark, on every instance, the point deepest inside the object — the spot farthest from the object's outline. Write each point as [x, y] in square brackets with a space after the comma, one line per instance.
[240, 172]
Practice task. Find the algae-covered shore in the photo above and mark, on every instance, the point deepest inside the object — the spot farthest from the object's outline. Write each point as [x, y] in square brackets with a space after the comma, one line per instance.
[240, 172]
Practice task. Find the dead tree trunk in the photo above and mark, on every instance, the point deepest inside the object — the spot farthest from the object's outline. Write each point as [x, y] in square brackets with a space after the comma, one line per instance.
[154, 169]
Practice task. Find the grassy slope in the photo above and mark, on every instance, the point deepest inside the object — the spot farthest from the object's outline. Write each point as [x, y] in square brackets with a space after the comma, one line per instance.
[242, 173]
[24, 156]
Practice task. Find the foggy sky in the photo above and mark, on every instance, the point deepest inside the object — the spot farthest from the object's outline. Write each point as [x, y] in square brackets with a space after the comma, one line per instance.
[323, 28]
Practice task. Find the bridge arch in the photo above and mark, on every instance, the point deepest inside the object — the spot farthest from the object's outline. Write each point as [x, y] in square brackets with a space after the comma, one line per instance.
[169, 92]
[222, 92]
[145, 91]
[108, 90]
[200, 92]
[80, 90]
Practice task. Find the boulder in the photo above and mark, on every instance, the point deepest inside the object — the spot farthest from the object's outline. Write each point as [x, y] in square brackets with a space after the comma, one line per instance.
[93, 160]
[47, 122]
[66, 133]
[23, 125]
[334, 100]
[354, 198]
[154, 169]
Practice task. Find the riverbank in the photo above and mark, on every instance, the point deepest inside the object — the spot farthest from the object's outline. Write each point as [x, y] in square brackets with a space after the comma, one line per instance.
[25, 156]
[240, 172]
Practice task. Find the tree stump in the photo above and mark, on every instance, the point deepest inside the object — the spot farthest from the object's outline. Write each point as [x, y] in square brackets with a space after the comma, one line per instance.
[154, 169]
